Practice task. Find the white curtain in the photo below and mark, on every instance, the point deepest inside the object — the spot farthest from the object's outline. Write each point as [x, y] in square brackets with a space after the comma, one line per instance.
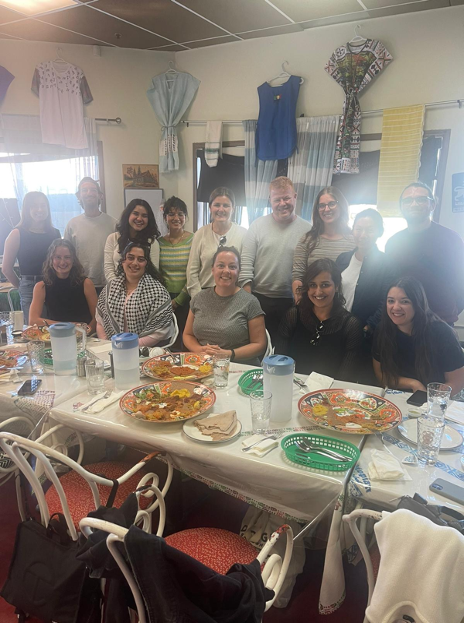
[310, 166]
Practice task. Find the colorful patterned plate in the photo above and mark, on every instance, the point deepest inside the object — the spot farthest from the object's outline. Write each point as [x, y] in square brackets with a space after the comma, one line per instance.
[37, 333]
[200, 365]
[350, 411]
[134, 400]
[10, 358]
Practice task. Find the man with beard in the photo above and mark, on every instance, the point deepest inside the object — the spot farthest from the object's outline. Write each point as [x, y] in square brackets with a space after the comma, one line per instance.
[267, 253]
[88, 232]
[429, 252]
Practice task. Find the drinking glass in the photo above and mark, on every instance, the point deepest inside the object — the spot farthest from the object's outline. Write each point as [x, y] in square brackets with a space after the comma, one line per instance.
[260, 403]
[429, 435]
[36, 353]
[95, 373]
[6, 327]
[438, 396]
[221, 371]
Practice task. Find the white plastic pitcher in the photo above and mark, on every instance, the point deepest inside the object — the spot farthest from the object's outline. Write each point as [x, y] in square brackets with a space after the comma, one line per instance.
[125, 349]
[64, 347]
[278, 379]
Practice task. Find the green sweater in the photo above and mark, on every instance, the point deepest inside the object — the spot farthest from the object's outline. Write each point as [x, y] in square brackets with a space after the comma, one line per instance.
[173, 265]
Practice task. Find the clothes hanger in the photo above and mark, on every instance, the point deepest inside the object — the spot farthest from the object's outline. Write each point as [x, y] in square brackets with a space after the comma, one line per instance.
[59, 58]
[172, 70]
[357, 37]
[283, 74]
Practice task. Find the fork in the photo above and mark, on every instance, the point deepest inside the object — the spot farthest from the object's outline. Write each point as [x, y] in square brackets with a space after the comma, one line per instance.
[105, 396]
[306, 447]
[257, 379]
[270, 437]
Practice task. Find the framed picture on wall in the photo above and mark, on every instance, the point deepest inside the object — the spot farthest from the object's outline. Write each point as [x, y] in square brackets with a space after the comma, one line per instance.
[140, 176]
[154, 197]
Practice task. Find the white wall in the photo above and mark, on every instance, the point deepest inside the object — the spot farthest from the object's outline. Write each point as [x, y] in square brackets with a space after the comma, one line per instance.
[118, 80]
[427, 67]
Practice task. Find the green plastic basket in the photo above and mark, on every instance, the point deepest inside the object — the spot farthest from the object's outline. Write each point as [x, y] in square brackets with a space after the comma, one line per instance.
[247, 384]
[314, 460]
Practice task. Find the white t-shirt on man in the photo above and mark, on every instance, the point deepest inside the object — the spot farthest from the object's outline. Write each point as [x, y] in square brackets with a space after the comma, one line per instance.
[350, 278]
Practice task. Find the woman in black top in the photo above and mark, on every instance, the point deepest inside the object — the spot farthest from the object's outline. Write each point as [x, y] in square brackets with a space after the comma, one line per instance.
[412, 346]
[366, 272]
[69, 295]
[29, 243]
[318, 333]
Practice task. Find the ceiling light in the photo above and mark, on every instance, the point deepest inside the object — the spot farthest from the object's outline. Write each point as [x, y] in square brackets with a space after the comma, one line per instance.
[35, 7]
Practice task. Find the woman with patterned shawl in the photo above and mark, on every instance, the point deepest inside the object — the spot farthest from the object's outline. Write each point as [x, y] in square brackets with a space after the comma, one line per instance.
[136, 301]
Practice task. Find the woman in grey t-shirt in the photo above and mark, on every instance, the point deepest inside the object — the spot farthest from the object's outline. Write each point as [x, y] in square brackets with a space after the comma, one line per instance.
[226, 320]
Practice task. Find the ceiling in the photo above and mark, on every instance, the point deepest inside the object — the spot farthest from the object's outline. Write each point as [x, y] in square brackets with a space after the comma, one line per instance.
[176, 25]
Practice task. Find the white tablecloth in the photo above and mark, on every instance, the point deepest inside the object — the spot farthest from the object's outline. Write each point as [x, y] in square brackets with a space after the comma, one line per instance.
[272, 482]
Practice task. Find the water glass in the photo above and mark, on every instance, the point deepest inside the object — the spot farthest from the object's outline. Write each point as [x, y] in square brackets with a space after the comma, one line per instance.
[260, 403]
[6, 326]
[221, 366]
[429, 435]
[95, 374]
[36, 353]
[438, 396]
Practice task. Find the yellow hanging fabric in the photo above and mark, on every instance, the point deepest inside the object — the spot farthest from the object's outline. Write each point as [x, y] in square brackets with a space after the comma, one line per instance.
[400, 152]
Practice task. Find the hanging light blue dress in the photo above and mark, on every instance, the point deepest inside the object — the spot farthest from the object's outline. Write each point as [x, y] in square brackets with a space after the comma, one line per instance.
[170, 97]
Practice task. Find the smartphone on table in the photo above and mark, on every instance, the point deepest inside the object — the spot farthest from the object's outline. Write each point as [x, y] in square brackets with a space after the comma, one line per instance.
[448, 490]
[418, 398]
[29, 387]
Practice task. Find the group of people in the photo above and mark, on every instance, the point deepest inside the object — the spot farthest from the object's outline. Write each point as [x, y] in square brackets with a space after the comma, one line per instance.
[322, 292]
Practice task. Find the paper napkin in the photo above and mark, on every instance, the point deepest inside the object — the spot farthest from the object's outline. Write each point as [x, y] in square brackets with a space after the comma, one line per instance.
[316, 381]
[455, 412]
[263, 448]
[385, 467]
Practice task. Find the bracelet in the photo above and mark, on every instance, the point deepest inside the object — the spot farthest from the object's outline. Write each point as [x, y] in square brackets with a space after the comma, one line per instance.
[232, 355]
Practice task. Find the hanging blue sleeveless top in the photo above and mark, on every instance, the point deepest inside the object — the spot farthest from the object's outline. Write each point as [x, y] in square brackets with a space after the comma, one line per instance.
[276, 129]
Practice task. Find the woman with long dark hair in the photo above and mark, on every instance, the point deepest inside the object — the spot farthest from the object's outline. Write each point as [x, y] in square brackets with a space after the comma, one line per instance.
[412, 346]
[29, 243]
[137, 225]
[206, 240]
[329, 236]
[69, 296]
[136, 301]
[318, 333]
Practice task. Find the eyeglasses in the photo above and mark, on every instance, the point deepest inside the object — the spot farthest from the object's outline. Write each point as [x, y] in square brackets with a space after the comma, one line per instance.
[331, 205]
[317, 336]
[222, 241]
[421, 200]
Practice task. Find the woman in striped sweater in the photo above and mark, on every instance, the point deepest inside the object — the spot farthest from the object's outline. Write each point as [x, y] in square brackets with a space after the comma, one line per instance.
[174, 255]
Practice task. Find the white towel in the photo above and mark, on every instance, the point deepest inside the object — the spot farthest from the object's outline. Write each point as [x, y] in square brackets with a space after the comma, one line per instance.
[421, 570]
[213, 143]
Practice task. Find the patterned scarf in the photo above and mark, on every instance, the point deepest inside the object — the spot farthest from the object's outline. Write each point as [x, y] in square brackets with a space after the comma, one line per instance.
[147, 310]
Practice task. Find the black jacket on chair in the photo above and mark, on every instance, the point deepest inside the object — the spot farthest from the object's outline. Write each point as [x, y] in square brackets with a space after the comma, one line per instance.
[376, 275]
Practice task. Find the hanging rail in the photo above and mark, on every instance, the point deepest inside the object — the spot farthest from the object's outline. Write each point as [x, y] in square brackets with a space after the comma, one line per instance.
[116, 119]
[199, 122]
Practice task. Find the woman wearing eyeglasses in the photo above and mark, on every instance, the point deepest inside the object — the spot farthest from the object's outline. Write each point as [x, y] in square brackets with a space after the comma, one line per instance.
[319, 333]
[328, 238]
[220, 232]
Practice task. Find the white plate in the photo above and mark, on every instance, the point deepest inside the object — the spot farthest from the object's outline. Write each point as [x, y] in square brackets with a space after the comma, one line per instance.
[451, 437]
[192, 432]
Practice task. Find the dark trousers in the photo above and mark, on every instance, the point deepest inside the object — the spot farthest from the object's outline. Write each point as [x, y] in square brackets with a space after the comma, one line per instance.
[181, 314]
[274, 309]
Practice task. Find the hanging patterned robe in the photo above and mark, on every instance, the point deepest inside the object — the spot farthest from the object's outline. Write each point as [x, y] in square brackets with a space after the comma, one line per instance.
[353, 67]
[170, 97]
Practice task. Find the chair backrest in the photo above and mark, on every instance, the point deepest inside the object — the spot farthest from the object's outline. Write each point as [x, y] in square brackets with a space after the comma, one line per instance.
[273, 567]
[176, 333]
[363, 515]
[18, 448]
[269, 347]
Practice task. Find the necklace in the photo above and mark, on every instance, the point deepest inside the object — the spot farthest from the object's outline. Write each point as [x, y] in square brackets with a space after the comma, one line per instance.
[173, 240]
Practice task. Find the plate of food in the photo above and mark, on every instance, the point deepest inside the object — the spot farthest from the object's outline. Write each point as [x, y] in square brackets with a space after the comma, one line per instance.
[11, 358]
[168, 401]
[178, 366]
[37, 333]
[350, 411]
[214, 428]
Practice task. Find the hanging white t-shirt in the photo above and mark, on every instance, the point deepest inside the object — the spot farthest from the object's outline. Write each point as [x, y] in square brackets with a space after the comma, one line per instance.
[350, 278]
[63, 90]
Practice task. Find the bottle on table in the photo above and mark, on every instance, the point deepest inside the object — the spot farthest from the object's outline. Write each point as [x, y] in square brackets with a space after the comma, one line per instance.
[125, 348]
[278, 379]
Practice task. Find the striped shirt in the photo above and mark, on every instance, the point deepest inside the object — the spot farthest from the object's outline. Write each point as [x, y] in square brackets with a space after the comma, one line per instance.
[173, 266]
[325, 248]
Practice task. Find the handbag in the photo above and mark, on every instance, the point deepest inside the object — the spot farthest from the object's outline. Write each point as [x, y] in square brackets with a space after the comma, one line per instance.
[438, 514]
[45, 578]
